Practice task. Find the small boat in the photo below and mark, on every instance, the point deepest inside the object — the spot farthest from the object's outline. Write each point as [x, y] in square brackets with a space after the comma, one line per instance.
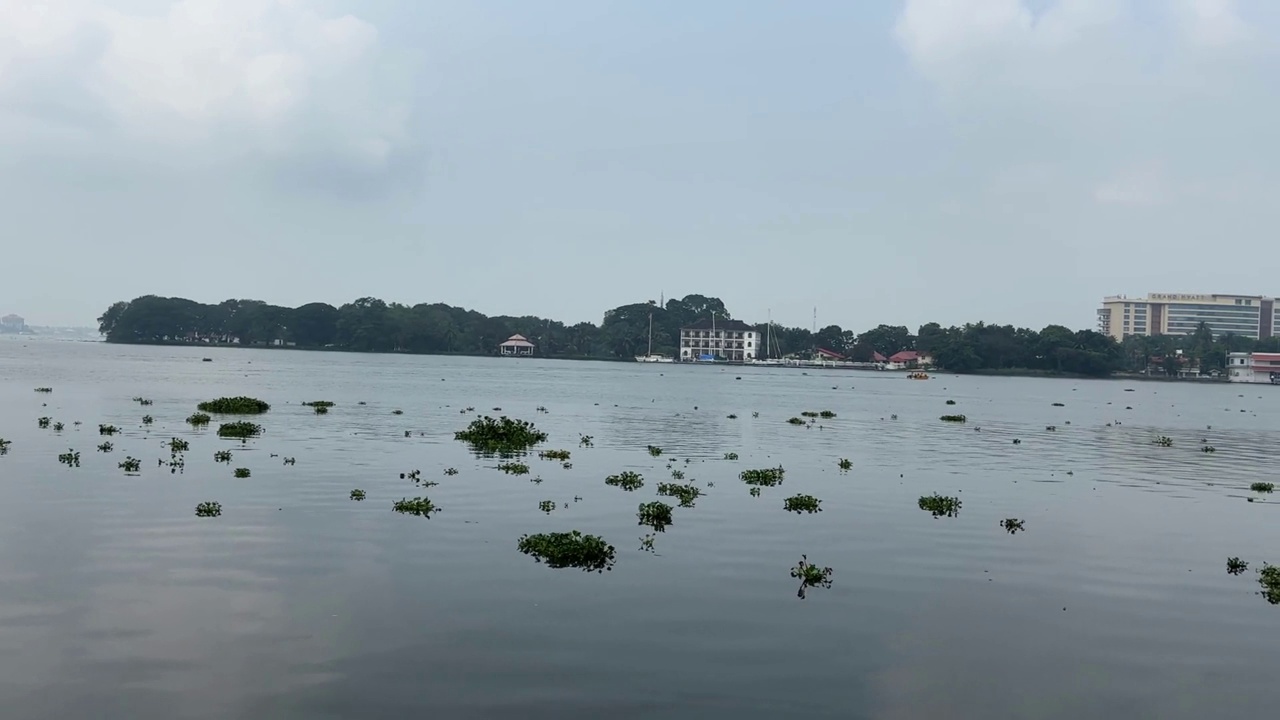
[918, 376]
[649, 357]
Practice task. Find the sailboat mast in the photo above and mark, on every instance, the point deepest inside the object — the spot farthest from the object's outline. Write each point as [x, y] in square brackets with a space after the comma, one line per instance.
[650, 332]
[768, 331]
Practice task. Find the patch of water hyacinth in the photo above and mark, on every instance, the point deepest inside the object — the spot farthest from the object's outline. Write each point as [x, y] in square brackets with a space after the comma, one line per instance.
[43, 423]
[939, 505]
[147, 419]
[357, 494]
[560, 455]
[766, 477]
[627, 480]
[1236, 566]
[654, 450]
[795, 421]
[810, 575]
[57, 427]
[731, 456]
[142, 401]
[1262, 487]
[321, 409]
[755, 492]
[451, 471]
[131, 465]
[953, 418]
[547, 506]
[502, 436]
[656, 515]
[241, 472]
[686, 494]
[222, 456]
[178, 445]
[574, 549]
[318, 403]
[514, 468]
[108, 429]
[239, 405]
[420, 506]
[198, 419]
[1012, 525]
[70, 458]
[239, 430]
[209, 509]
[44, 390]
[1163, 441]
[802, 504]
[845, 464]
[1269, 579]
[4, 446]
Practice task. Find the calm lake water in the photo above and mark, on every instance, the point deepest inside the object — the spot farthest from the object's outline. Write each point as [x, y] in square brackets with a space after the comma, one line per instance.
[117, 602]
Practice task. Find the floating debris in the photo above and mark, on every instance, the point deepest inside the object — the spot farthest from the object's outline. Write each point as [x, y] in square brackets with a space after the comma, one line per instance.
[418, 506]
[627, 480]
[514, 468]
[208, 509]
[810, 575]
[939, 505]
[241, 472]
[239, 405]
[240, 430]
[953, 418]
[1013, 525]
[767, 477]
[357, 494]
[1236, 566]
[802, 504]
[568, 549]
[502, 436]
[656, 515]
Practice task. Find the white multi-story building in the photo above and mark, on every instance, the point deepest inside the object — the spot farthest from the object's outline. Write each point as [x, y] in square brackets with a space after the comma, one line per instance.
[12, 324]
[1251, 316]
[719, 339]
[1261, 368]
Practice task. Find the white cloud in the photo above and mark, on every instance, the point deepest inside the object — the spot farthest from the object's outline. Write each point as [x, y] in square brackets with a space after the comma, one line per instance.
[1213, 23]
[1138, 187]
[272, 76]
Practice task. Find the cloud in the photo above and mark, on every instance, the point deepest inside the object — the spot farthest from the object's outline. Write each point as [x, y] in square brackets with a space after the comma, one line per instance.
[265, 78]
[1141, 187]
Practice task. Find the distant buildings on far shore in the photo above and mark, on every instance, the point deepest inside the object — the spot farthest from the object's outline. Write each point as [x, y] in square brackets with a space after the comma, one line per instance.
[12, 324]
[1251, 316]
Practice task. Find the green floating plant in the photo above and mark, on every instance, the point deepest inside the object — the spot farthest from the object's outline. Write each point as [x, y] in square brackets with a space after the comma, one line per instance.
[731, 416]
[1262, 487]
[178, 445]
[222, 456]
[547, 506]
[1012, 525]
[1059, 404]
[418, 506]
[627, 480]
[953, 418]
[1236, 566]
[321, 409]
[646, 542]
[1269, 579]
[357, 494]
[560, 455]
[795, 421]
[586, 441]
[826, 414]
[198, 419]
[318, 403]
[731, 456]
[502, 436]
[951, 402]
[239, 405]
[514, 468]
[1163, 441]
[845, 464]
[755, 492]
[1208, 449]
[810, 575]
[57, 427]
[654, 450]
[108, 429]
[809, 414]
[147, 419]
[239, 430]
[241, 472]
[43, 422]
[677, 474]
[451, 471]
[4, 446]
[397, 412]
[290, 461]
[70, 458]
[44, 390]
[209, 509]
[802, 504]
[939, 505]
[656, 515]
[767, 477]
[573, 549]
[131, 465]
[686, 494]
[142, 401]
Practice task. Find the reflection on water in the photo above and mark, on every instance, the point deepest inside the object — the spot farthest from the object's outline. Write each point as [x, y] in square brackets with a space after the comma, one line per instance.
[1082, 579]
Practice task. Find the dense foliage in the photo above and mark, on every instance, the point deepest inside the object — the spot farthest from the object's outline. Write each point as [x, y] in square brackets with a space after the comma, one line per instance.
[372, 325]
[569, 549]
[502, 436]
[239, 405]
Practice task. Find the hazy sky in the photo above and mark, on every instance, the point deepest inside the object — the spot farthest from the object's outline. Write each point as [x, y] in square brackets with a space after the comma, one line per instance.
[901, 162]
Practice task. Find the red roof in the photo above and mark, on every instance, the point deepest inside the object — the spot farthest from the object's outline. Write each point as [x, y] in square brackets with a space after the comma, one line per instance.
[904, 356]
[878, 357]
[830, 354]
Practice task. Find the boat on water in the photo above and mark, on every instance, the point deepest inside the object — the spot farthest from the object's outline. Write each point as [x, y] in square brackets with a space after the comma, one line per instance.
[649, 357]
[918, 376]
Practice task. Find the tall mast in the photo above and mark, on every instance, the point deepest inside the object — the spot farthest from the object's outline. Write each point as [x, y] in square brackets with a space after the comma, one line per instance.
[650, 332]
[768, 331]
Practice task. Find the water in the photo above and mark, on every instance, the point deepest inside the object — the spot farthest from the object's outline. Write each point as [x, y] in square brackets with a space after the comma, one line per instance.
[117, 602]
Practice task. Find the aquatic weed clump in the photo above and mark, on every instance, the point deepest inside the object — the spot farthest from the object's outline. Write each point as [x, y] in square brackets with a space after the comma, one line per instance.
[70, 458]
[241, 473]
[198, 419]
[731, 456]
[500, 436]
[810, 575]
[1262, 487]
[318, 403]
[43, 423]
[239, 405]
[953, 418]
[573, 549]
[222, 456]
[686, 494]
[654, 450]
[208, 509]
[795, 421]
[419, 506]
[939, 505]
[845, 464]
[239, 430]
[1236, 566]
[767, 477]
[357, 495]
[4, 446]
[561, 455]
[627, 480]
[1269, 579]
[1012, 525]
[547, 506]
[514, 468]
[131, 465]
[44, 390]
[1163, 441]
[177, 445]
[656, 515]
[108, 429]
[802, 504]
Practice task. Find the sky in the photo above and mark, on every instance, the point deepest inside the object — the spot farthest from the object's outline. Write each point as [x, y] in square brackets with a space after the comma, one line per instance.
[952, 161]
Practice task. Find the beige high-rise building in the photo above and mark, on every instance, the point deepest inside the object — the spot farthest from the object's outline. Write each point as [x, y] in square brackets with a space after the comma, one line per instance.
[1252, 316]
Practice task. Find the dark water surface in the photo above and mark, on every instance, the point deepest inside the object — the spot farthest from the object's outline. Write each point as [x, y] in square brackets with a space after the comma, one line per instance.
[117, 602]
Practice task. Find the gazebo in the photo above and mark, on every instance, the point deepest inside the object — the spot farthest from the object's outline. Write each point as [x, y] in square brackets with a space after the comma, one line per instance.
[516, 345]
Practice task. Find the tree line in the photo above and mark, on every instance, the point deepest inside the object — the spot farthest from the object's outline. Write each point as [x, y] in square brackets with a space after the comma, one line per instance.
[372, 325]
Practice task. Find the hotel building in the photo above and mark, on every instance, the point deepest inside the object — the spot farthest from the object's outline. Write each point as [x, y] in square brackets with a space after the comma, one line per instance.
[1251, 316]
[731, 340]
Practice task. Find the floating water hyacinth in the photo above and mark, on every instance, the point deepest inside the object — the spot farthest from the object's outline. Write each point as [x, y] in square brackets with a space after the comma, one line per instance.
[1163, 441]
[802, 504]
[755, 492]
[1269, 579]
[131, 465]
[108, 429]
[627, 480]
[953, 418]
[44, 390]
[810, 575]
[321, 409]
[43, 422]
[70, 458]
[357, 494]
[589, 553]
[451, 471]
[939, 505]
[845, 464]
[208, 509]
[222, 456]
[4, 446]
[646, 542]
[656, 515]
[795, 421]
[951, 402]
[198, 419]
[178, 445]
[142, 401]
[767, 477]
[147, 419]
[547, 506]
[318, 403]
[514, 468]
[240, 430]
[1262, 487]
[731, 456]
[417, 506]
[241, 472]
[501, 436]
[560, 455]
[686, 494]
[57, 427]
[1236, 566]
[1012, 525]
[654, 450]
[586, 441]
[239, 405]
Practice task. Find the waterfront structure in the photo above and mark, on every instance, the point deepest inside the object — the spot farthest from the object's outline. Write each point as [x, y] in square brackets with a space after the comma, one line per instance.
[719, 339]
[12, 324]
[908, 360]
[1251, 316]
[516, 346]
[1255, 367]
